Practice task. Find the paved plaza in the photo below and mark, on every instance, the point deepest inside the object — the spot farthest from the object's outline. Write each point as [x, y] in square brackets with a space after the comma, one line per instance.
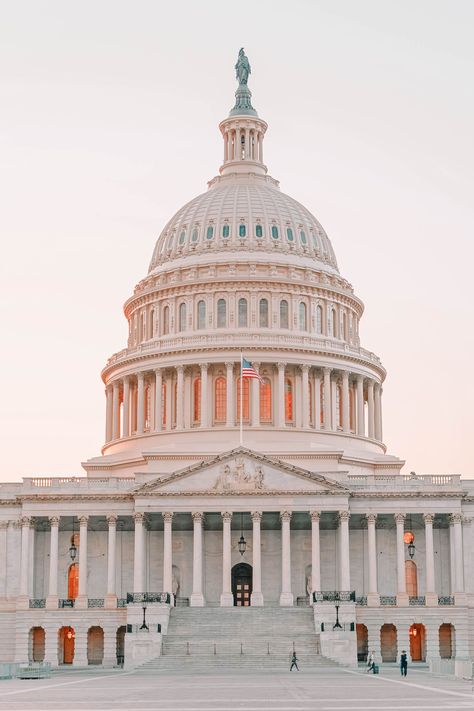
[323, 690]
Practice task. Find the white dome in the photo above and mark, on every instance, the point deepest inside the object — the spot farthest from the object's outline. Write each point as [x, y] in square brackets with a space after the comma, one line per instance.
[244, 211]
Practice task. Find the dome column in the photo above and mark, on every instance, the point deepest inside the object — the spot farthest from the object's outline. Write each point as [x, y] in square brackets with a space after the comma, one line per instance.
[305, 395]
[126, 407]
[108, 413]
[317, 400]
[180, 398]
[204, 395]
[116, 409]
[345, 401]
[360, 406]
[378, 411]
[158, 419]
[140, 402]
[327, 398]
[370, 409]
[230, 409]
[281, 395]
[256, 397]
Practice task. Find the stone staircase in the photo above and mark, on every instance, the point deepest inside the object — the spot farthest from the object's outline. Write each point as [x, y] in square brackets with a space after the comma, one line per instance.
[209, 639]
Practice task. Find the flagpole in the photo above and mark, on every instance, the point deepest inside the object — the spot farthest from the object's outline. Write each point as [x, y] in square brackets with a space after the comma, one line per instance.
[241, 401]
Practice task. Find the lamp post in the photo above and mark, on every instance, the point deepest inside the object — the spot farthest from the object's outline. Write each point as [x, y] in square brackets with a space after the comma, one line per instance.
[337, 625]
[242, 545]
[144, 625]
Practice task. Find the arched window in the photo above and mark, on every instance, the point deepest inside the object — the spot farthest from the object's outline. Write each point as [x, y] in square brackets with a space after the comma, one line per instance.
[411, 578]
[182, 237]
[221, 313]
[194, 235]
[210, 232]
[243, 321]
[182, 317]
[258, 231]
[303, 237]
[266, 401]
[73, 581]
[245, 400]
[225, 231]
[147, 398]
[284, 322]
[197, 400]
[344, 334]
[263, 313]
[201, 309]
[302, 316]
[166, 320]
[332, 322]
[289, 234]
[242, 231]
[151, 324]
[319, 319]
[275, 234]
[288, 400]
[220, 399]
[142, 327]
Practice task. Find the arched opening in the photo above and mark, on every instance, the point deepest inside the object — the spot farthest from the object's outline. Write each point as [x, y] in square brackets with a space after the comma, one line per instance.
[302, 316]
[95, 645]
[220, 399]
[242, 584]
[284, 322]
[263, 313]
[243, 319]
[221, 313]
[319, 319]
[265, 400]
[417, 643]
[73, 581]
[446, 641]
[245, 399]
[288, 401]
[166, 321]
[182, 317]
[197, 401]
[362, 643]
[201, 314]
[37, 640]
[67, 638]
[411, 578]
[388, 643]
[151, 324]
[120, 645]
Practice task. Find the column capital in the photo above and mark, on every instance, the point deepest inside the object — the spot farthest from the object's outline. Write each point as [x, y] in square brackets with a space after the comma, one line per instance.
[167, 516]
[112, 519]
[116, 384]
[256, 516]
[343, 516]
[370, 383]
[25, 521]
[315, 515]
[360, 378]
[140, 376]
[428, 517]
[229, 364]
[453, 518]
[285, 515]
[197, 516]
[371, 518]
[204, 367]
[54, 521]
[139, 517]
[281, 366]
[467, 520]
[83, 520]
[400, 517]
[226, 515]
[305, 367]
[345, 375]
[180, 368]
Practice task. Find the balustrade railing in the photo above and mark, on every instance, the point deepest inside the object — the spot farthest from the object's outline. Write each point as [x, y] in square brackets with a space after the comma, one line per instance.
[334, 596]
[388, 600]
[445, 599]
[121, 602]
[361, 600]
[65, 602]
[37, 603]
[146, 597]
[416, 601]
[95, 602]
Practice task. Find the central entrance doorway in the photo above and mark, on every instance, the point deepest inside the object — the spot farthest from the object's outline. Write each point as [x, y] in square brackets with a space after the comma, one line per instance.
[242, 584]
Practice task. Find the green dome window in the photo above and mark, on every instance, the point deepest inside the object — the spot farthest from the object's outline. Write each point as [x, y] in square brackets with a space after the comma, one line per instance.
[242, 231]
[289, 234]
[258, 231]
[194, 236]
[275, 234]
[182, 237]
[210, 232]
[225, 230]
[303, 237]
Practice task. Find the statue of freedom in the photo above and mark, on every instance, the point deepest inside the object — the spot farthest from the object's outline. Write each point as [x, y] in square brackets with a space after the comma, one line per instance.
[242, 68]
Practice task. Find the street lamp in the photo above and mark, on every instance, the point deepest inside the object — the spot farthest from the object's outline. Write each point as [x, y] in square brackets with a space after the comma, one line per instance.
[337, 625]
[242, 544]
[73, 547]
[144, 625]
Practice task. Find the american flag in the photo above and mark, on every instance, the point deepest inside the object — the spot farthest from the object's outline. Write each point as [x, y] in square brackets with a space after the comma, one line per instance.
[248, 371]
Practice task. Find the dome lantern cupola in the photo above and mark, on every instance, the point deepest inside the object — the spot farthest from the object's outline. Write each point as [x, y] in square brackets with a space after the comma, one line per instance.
[243, 130]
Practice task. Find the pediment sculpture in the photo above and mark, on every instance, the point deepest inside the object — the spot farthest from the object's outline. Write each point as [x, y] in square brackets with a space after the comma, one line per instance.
[235, 476]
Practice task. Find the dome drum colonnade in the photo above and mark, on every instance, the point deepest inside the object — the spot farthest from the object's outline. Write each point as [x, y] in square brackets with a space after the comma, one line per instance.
[208, 395]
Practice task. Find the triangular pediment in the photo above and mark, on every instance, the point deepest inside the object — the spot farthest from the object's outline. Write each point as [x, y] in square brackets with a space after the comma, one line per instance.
[241, 471]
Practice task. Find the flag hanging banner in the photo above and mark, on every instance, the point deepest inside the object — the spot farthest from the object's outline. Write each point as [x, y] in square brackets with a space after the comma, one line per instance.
[248, 371]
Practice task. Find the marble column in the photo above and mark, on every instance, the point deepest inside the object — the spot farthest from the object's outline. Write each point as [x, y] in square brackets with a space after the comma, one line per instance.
[256, 598]
[180, 397]
[52, 599]
[158, 422]
[197, 597]
[378, 412]
[204, 396]
[346, 420]
[255, 400]
[317, 401]
[108, 413]
[82, 597]
[25, 522]
[111, 596]
[286, 595]
[227, 599]
[334, 418]
[370, 408]
[360, 406]
[230, 405]
[459, 559]
[402, 597]
[168, 553]
[115, 409]
[281, 394]
[140, 402]
[344, 557]
[305, 395]
[373, 597]
[327, 398]
[315, 553]
[126, 407]
[139, 553]
[431, 597]
[170, 412]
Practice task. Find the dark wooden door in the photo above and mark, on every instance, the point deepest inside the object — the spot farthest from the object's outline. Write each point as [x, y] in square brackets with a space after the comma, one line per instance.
[242, 584]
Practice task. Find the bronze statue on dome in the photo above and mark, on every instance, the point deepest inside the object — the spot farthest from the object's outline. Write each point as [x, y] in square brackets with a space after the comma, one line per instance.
[242, 68]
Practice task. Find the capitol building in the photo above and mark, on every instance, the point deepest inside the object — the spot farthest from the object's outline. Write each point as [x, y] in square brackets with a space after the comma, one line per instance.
[234, 517]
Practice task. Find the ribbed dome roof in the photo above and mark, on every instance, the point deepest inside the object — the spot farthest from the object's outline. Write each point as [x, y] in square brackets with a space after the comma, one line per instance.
[244, 211]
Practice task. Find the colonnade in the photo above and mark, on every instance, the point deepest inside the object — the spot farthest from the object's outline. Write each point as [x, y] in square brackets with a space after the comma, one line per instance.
[250, 148]
[286, 595]
[302, 396]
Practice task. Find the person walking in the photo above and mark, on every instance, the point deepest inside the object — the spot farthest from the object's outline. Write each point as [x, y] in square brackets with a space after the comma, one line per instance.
[403, 663]
[371, 662]
[294, 659]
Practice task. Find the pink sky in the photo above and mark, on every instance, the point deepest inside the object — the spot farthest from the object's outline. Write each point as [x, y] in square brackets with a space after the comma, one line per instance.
[108, 124]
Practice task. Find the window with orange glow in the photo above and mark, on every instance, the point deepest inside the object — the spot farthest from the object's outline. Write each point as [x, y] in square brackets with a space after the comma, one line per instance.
[352, 409]
[245, 399]
[73, 581]
[265, 401]
[339, 405]
[197, 400]
[288, 400]
[411, 578]
[220, 399]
